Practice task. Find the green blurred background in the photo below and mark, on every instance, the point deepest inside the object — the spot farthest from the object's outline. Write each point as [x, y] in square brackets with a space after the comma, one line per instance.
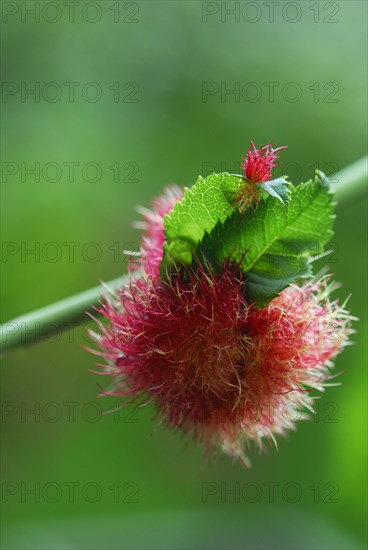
[172, 63]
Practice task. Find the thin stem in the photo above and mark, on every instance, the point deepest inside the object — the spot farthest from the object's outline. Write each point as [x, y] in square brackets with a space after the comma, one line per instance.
[351, 179]
[43, 323]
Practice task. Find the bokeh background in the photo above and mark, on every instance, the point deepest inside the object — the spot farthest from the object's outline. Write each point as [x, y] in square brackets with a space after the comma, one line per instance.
[152, 105]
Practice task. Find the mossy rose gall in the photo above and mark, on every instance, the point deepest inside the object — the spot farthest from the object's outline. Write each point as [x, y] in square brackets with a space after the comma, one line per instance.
[259, 163]
[216, 364]
[257, 170]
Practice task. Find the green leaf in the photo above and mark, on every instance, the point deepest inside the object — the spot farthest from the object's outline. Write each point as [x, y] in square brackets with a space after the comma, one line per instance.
[209, 201]
[279, 188]
[274, 245]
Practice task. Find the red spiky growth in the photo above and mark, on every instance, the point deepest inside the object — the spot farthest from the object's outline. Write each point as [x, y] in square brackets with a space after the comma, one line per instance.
[257, 168]
[151, 249]
[260, 162]
[216, 366]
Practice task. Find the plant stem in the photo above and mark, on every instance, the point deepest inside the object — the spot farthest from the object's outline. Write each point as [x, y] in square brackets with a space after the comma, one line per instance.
[351, 179]
[43, 323]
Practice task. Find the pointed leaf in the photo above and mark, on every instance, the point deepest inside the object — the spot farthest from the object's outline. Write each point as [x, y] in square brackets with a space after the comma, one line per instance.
[279, 188]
